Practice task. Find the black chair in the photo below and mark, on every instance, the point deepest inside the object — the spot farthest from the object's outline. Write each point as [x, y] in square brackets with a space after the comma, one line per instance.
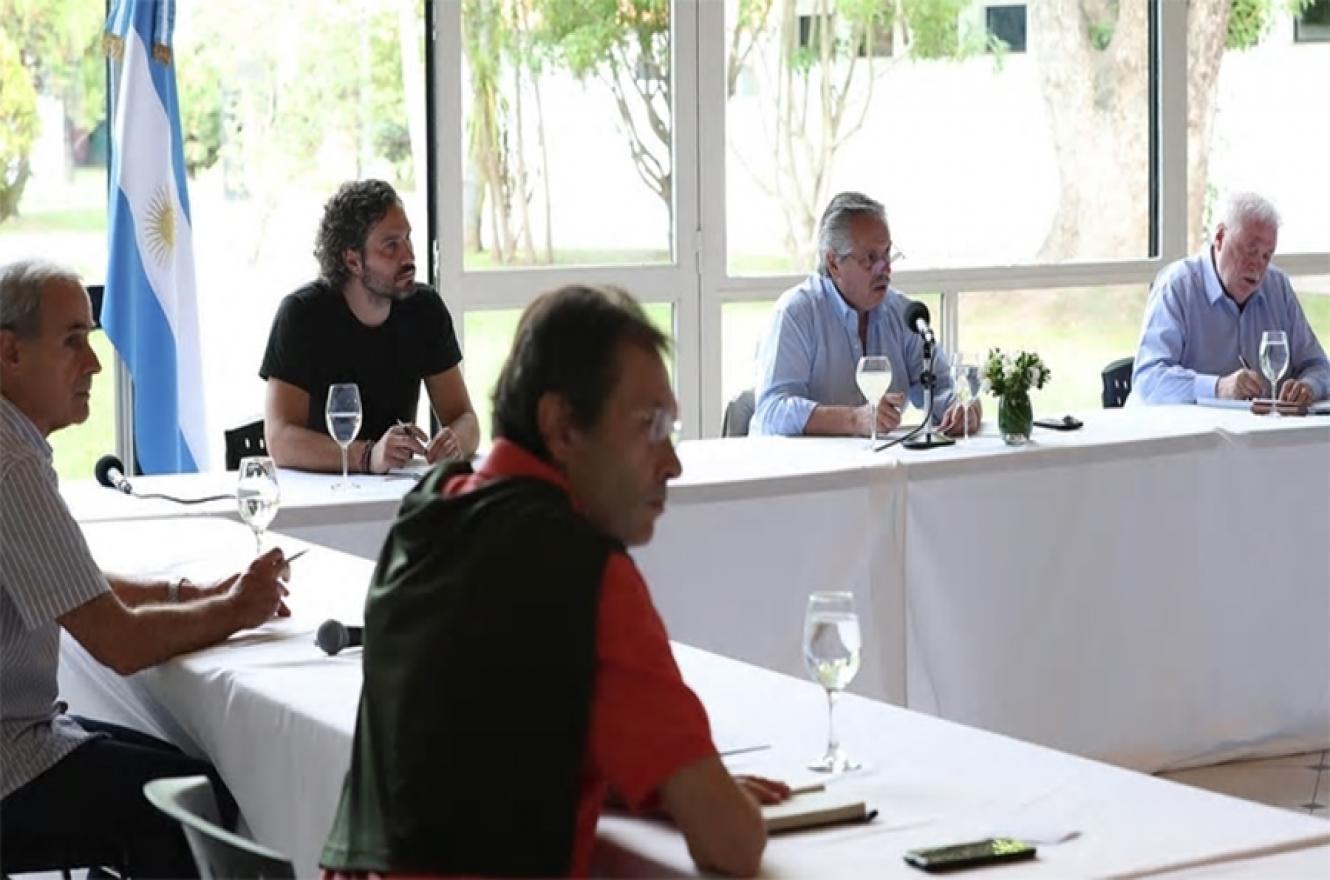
[738, 413]
[219, 854]
[28, 855]
[243, 441]
[1117, 382]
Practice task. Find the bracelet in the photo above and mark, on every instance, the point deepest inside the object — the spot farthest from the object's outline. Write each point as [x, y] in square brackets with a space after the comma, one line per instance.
[173, 589]
[365, 456]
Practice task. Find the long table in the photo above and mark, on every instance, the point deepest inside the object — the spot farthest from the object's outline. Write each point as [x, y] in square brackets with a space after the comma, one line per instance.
[276, 717]
[1152, 590]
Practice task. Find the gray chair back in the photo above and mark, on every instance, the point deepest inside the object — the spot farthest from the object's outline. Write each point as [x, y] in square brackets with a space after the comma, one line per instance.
[738, 413]
[219, 854]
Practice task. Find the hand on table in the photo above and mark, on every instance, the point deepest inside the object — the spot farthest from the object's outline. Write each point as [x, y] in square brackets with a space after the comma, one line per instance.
[396, 447]
[444, 446]
[888, 414]
[763, 790]
[1243, 384]
[257, 593]
[953, 424]
[1296, 391]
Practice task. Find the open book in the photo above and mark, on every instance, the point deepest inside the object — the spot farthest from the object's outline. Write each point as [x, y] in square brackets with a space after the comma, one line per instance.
[814, 806]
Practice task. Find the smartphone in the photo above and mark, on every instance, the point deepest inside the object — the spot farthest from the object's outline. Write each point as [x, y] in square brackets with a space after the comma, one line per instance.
[970, 855]
[1066, 423]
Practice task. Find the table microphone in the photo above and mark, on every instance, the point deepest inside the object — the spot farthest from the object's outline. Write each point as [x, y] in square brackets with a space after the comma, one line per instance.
[110, 472]
[333, 636]
[917, 319]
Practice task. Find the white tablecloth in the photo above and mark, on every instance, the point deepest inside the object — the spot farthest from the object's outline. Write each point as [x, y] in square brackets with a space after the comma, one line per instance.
[1152, 590]
[276, 717]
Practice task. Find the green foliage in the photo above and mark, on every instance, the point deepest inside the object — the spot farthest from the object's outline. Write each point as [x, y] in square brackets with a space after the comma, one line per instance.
[934, 28]
[1007, 374]
[18, 125]
[1247, 23]
[588, 36]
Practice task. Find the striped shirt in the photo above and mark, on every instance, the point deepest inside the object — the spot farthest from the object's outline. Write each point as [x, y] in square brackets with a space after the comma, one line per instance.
[46, 570]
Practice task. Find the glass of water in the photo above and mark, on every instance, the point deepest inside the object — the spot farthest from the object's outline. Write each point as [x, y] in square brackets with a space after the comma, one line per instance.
[873, 376]
[1274, 363]
[966, 384]
[831, 653]
[344, 417]
[258, 495]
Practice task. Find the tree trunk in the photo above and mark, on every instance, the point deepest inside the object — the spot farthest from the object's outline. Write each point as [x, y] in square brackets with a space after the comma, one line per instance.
[1207, 28]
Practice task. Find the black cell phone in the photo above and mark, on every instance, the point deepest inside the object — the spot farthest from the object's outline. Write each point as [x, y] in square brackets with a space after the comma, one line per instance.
[1066, 423]
[970, 855]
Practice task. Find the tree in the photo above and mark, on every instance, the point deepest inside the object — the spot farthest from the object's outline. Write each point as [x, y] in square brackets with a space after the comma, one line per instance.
[47, 47]
[626, 45]
[822, 73]
[18, 126]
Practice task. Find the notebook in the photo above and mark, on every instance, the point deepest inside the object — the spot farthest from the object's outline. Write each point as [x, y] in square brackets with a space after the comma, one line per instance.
[815, 808]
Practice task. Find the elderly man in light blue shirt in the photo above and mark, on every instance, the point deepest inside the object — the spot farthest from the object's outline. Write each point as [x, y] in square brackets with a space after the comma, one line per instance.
[821, 328]
[1207, 313]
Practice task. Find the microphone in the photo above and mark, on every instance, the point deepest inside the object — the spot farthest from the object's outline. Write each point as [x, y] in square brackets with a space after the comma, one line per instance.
[333, 636]
[916, 318]
[110, 472]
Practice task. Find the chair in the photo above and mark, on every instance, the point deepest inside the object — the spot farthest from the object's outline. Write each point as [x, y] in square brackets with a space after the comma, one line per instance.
[242, 441]
[219, 854]
[1117, 382]
[738, 413]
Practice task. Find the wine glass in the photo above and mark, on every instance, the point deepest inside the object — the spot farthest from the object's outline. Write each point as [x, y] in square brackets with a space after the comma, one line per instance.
[1274, 363]
[966, 383]
[258, 495]
[873, 376]
[344, 416]
[831, 653]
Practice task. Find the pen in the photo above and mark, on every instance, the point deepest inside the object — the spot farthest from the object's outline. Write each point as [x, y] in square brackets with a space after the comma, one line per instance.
[299, 553]
[1242, 360]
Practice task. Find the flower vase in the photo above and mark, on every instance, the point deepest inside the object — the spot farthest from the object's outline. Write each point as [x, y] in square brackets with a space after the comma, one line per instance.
[1015, 418]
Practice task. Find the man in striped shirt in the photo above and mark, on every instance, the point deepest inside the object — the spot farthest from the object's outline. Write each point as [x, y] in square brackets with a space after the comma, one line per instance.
[69, 786]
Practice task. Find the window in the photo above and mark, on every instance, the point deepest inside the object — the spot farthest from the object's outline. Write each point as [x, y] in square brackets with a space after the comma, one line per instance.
[1007, 24]
[318, 92]
[1077, 331]
[53, 175]
[1041, 157]
[568, 134]
[1312, 25]
[1314, 296]
[1260, 80]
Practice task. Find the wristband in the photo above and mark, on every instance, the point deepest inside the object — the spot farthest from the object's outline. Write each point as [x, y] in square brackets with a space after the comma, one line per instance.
[365, 456]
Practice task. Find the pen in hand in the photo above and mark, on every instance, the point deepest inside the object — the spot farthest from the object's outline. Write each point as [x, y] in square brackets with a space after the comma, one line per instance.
[1243, 361]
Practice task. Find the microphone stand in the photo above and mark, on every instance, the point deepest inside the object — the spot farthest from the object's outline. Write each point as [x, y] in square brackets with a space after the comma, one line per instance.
[930, 439]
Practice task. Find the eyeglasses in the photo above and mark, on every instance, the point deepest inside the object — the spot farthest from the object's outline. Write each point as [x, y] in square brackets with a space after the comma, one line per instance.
[661, 424]
[870, 261]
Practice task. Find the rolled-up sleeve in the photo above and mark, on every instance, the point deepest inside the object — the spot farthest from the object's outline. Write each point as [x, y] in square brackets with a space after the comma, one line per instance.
[1158, 376]
[784, 371]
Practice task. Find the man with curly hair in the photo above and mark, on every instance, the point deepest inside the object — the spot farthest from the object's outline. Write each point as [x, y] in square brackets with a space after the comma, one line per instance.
[365, 320]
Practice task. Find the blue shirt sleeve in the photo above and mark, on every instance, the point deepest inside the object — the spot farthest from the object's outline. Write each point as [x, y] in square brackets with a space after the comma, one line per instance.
[784, 366]
[1158, 375]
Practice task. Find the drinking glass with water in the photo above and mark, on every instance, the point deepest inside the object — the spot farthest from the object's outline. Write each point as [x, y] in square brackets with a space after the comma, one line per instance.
[344, 415]
[831, 652]
[258, 495]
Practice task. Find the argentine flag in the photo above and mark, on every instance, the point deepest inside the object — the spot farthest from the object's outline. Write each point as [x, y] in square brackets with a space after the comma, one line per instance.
[151, 308]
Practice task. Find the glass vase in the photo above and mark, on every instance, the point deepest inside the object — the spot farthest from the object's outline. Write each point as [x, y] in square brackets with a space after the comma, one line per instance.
[1015, 418]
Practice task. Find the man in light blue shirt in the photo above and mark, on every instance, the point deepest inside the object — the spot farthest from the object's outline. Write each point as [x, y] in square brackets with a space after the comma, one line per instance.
[1206, 314]
[820, 329]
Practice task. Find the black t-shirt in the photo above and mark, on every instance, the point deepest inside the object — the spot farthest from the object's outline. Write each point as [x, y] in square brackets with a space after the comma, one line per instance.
[316, 341]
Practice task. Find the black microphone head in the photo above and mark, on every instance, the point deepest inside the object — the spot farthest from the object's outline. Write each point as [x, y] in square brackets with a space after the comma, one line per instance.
[913, 312]
[105, 465]
[332, 637]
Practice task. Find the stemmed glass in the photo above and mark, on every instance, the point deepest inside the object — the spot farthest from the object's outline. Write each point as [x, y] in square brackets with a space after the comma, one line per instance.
[1274, 363]
[873, 376]
[831, 653]
[258, 495]
[966, 383]
[344, 415]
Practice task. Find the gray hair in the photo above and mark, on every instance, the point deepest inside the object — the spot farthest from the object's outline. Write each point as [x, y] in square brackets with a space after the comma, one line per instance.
[21, 286]
[833, 232]
[1241, 208]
